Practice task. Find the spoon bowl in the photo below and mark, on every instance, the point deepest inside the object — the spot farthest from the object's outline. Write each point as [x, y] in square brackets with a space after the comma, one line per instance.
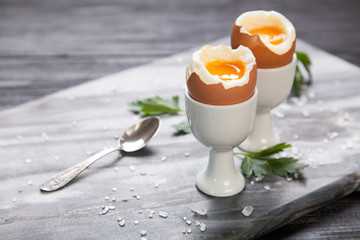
[134, 138]
[138, 135]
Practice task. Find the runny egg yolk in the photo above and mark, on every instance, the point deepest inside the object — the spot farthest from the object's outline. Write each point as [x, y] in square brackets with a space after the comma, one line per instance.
[274, 35]
[226, 70]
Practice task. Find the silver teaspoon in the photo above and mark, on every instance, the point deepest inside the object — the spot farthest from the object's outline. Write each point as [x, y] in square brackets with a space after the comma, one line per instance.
[133, 139]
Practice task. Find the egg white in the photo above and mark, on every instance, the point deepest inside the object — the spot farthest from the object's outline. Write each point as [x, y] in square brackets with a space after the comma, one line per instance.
[257, 19]
[210, 53]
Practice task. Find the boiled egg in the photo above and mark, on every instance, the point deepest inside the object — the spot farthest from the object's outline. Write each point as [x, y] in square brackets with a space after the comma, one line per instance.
[269, 35]
[219, 75]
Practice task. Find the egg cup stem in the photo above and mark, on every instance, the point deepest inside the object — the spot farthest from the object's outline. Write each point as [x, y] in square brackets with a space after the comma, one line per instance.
[220, 178]
[274, 86]
[262, 135]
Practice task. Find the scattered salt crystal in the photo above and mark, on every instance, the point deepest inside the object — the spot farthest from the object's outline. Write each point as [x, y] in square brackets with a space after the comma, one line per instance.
[202, 227]
[131, 189]
[106, 198]
[188, 222]
[150, 216]
[132, 168]
[247, 210]
[28, 160]
[156, 185]
[197, 223]
[267, 187]
[137, 197]
[289, 179]
[140, 212]
[296, 136]
[116, 169]
[349, 145]
[122, 223]
[105, 210]
[13, 199]
[279, 114]
[184, 231]
[163, 214]
[19, 138]
[188, 230]
[124, 200]
[311, 94]
[20, 190]
[332, 135]
[187, 154]
[184, 218]
[200, 211]
[143, 238]
[164, 158]
[111, 207]
[114, 189]
[105, 128]
[89, 152]
[305, 113]
[30, 182]
[45, 136]
[259, 178]
[113, 199]
[252, 183]
[143, 232]
[119, 219]
[136, 222]
[152, 211]
[283, 154]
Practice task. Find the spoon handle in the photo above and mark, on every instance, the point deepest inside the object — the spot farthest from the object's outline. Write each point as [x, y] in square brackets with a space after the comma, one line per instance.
[62, 178]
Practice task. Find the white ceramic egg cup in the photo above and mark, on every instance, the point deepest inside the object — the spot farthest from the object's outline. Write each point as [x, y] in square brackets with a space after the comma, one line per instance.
[221, 128]
[274, 85]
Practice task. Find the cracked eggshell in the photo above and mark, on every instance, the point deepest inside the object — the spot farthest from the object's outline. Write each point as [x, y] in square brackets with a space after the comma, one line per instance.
[211, 89]
[267, 55]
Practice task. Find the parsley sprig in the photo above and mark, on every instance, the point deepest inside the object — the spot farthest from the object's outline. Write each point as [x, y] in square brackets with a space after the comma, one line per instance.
[182, 128]
[156, 106]
[261, 163]
[300, 80]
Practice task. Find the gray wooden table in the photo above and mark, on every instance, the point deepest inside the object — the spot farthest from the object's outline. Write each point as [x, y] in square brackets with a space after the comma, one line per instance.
[48, 46]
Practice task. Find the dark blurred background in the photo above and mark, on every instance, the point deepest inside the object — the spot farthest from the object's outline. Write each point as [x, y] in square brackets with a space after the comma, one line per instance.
[46, 46]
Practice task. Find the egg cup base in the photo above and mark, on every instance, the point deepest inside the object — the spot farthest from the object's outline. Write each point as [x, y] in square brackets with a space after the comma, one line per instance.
[220, 178]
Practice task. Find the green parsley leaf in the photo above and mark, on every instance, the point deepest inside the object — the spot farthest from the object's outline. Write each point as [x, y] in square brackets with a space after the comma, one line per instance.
[254, 166]
[285, 166]
[260, 163]
[156, 106]
[300, 80]
[182, 128]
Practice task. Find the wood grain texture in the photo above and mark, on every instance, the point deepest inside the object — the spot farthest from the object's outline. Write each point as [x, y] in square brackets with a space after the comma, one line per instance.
[46, 46]
[44, 131]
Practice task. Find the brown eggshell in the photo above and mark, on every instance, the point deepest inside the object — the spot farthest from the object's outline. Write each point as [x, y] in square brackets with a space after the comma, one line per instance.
[216, 94]
[265, 58]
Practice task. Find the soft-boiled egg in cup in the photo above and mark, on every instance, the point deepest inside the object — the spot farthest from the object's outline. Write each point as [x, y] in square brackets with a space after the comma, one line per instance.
[219, 75]
[269, 35]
